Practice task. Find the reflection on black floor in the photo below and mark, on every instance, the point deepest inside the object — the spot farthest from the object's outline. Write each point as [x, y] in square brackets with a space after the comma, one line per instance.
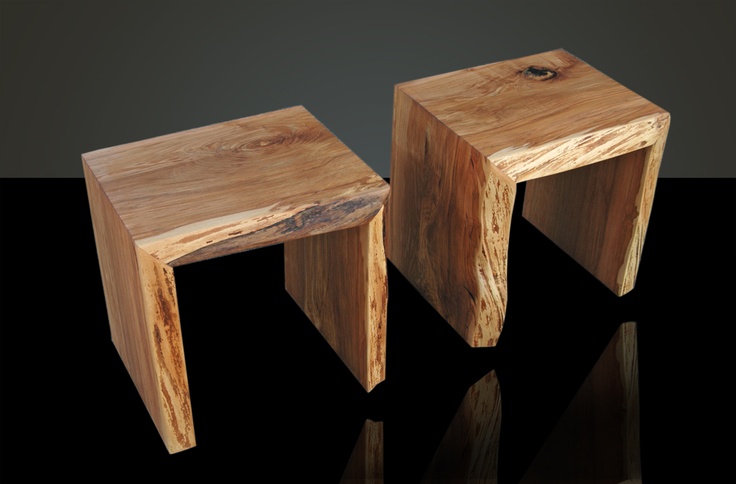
[469, 450]
[366, 461]
[554, 383]
[595, 440]
[273, 403]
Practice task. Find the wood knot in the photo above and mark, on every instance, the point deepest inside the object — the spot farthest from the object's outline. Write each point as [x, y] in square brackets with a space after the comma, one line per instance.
[539, 73]
[263, 143]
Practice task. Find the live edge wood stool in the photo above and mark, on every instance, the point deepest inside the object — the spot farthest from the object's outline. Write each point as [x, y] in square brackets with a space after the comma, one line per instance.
[588, 148]
[226, 188]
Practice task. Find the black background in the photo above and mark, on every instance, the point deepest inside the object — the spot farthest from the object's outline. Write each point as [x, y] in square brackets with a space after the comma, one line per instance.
[83, 75]
[273, 403]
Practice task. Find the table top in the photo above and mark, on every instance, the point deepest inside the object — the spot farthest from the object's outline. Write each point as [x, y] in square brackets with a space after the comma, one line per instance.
[541, 114]
[264, 179]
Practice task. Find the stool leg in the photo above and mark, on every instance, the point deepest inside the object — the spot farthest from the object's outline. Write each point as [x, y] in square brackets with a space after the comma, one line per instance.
[166, 352]
[339, 280]
[449, 217]
[599, 213]
[144, 321]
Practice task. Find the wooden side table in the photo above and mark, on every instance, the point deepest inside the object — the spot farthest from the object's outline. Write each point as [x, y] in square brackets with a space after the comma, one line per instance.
[588, 148]
[279, 177]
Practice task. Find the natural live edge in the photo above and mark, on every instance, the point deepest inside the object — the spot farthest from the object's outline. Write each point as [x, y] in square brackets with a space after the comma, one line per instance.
[376, 307]
[580, 149]
[588, 148]
[162, 314]
[626, 277]
[274, 228]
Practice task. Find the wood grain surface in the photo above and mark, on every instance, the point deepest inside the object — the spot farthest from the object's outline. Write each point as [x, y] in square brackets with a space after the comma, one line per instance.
[448, 224]
[589, 148]
[226, 188]
[531, 126]
[144, 321]
[237, 185]
[339, 280]
[599, 214]
[604, 418]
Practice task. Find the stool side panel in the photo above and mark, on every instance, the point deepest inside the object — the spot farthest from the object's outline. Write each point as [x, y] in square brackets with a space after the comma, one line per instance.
[339, 280]
[438, 216]
[148, 345]
[119, 269]
[644, 201]
[591, 213]
[372, 241]
[492, 262]
[161, 310]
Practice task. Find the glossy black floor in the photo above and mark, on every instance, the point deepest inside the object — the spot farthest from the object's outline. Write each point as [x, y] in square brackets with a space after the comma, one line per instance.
[272, 402]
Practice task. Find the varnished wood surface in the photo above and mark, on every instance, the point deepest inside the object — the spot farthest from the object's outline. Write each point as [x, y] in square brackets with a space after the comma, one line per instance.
[533, 125]
[236, 185]
[590, 213]
[448, 222]
[144, 322]
[339, 280]
[227, 188]
[589, 148]
[162, 316]
[604, 418]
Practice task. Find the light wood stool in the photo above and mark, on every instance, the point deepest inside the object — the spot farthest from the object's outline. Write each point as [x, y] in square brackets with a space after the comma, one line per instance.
[588, 148]
[279, 177]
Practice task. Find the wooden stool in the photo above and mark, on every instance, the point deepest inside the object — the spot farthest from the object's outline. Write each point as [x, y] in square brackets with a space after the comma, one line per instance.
[226, 188]
[589, 149]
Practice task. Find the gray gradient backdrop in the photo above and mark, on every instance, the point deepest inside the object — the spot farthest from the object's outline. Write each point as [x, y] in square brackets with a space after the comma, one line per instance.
[81, 75]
